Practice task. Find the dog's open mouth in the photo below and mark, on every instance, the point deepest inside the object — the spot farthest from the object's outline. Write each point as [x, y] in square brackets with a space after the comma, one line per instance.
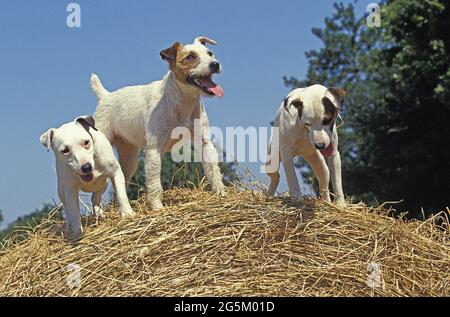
[328, 152]
[87, 178]
[206, 84]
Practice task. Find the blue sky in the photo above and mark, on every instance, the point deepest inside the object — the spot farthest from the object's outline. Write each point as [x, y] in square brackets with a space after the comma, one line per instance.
[45, 68]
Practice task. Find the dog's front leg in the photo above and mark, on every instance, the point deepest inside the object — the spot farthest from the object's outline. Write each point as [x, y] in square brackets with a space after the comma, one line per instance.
[61, 193]
[320, 169]
[72, 212]
[334, 165]
[96, 200]
[153, 157]
[118, 181]
[289, 168]
[210, 157]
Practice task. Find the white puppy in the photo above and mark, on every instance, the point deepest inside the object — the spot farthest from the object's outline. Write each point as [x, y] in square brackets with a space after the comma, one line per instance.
[307, 128]
[143, 117]
[84, 161]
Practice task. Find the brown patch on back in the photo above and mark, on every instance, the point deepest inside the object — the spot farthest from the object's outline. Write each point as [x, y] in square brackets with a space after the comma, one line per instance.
[176, 56]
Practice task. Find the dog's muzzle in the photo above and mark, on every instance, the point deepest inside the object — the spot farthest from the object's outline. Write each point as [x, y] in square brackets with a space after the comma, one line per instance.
[206, 84]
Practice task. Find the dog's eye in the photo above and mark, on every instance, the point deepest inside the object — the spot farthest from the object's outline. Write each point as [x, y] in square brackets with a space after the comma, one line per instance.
[65, 150]
[326, 121]
[86, 143]
[190, 57]
[210, 53]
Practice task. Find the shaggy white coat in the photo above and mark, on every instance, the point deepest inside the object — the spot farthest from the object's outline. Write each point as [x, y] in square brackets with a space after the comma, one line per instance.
[142, 118]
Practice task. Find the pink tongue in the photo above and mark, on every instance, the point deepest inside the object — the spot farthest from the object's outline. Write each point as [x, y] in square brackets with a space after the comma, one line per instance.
[218, 91]
[328, 151]
[212, 87]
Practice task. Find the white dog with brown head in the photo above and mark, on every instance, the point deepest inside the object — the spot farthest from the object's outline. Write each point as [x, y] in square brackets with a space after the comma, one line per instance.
[143, 117]
[307, 128]
[84, 161]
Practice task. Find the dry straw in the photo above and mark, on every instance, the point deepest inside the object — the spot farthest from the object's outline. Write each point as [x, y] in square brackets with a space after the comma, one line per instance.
[244, 244]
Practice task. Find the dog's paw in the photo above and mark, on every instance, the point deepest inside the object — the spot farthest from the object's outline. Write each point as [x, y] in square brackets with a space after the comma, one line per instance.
[222, 193]
[299, 201]
[99, 212]
[296, 198]
[73, 235]
[125, 214]
[156, 205]
[340, 203]
[219, 189]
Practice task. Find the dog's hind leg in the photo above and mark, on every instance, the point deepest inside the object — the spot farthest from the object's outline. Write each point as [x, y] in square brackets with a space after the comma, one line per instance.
[272, 169]
[289, 168]
[153, 158]
[128, 158]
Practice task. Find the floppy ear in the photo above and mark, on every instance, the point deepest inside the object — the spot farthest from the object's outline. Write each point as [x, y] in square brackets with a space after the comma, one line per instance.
[203, 40]
[297, 103]
[87, 122]
[47, 138]
[170, 54]
[339, 95]
[330, 107]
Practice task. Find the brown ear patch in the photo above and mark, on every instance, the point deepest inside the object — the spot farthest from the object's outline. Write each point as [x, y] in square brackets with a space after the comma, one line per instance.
[170, 54]
[331, 112]
[184, 63]
[297, 103]
[339, 95]
[286, 104]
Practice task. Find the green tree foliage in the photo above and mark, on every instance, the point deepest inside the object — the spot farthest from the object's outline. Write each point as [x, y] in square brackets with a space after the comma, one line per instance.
[395, 141]
[20, 227]
[177, 175]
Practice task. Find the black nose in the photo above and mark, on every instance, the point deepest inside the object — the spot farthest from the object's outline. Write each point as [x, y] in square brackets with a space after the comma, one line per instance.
[215, 67]
[86, 168]
[320, 146]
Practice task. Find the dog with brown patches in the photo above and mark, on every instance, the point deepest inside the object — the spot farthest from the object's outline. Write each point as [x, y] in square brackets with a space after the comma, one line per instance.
[143, 117]
[307, 128]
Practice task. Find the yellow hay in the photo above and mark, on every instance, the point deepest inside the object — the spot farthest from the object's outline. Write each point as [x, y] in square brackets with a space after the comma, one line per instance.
[244, 244]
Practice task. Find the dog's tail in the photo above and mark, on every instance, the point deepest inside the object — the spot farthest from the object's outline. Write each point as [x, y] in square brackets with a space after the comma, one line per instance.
[97, 87]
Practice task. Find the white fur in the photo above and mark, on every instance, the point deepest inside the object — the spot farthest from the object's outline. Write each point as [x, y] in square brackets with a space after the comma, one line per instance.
[296, 139]
[143, 117]
[99, 153]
